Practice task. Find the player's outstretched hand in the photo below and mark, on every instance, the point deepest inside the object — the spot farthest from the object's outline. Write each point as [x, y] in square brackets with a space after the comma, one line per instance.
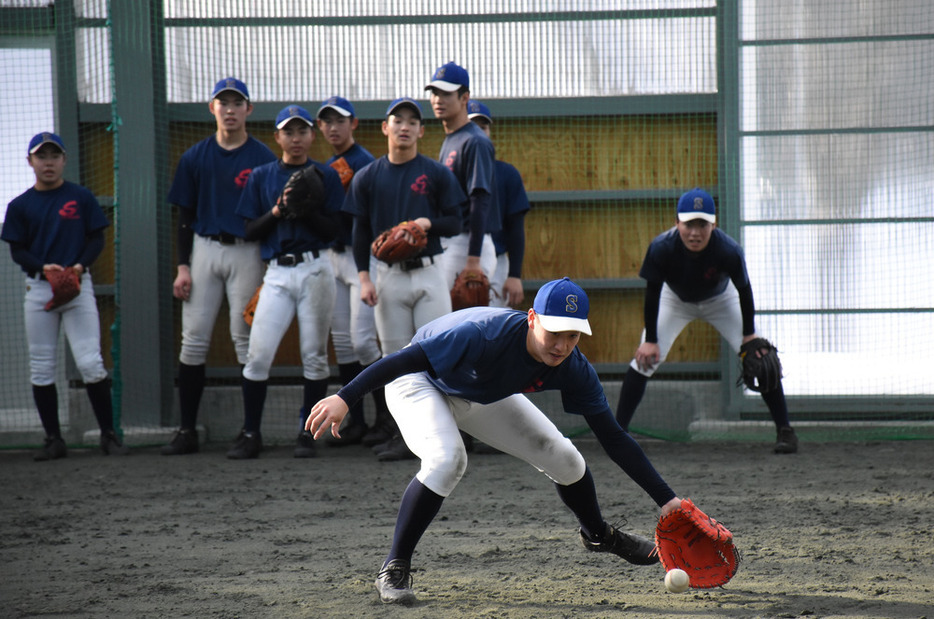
[327, 413]
[670, 506]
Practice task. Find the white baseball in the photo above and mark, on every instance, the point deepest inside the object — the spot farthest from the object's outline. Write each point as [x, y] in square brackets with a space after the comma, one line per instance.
[677, 581]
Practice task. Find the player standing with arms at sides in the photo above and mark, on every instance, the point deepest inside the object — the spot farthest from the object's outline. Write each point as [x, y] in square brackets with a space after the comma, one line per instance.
[353, 327]
[214, 260]
[299, 280]
[53, 225]
[467, 371]
[403, 185]
[696, 271]
[513, 204]
[470, 155]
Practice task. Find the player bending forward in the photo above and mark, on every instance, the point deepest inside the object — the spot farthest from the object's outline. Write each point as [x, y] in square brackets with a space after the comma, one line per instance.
[467, 371]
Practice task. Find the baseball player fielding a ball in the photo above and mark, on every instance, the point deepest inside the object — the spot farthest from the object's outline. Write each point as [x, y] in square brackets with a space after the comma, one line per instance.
[696, 271]
[467, 371]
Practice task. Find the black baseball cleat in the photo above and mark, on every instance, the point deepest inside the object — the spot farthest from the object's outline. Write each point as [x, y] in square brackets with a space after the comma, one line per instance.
[634, 548]
[247, 446]
[53, 449]
[379, 433]
[111, 444]
[395, 450]
[787, 441]
[305, 445]
[184, 442]
[394, 583]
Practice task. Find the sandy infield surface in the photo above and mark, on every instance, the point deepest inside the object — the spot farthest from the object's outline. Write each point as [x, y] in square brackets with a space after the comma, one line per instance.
[838, 530]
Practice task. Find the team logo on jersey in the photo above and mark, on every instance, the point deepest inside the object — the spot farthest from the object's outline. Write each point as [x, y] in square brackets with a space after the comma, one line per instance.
[570, 304]
[698, 204]
[240, 180]
[536, 386]
[69, 210]
[420, 186]
[711, 274]
[451, 158]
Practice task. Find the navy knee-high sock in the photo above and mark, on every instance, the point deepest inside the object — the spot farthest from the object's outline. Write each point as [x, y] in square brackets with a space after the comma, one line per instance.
[101, 404]
[46, 399]
[418, 508]
[347, 372]
[778, 406]
[254, 399]
[581, 498]
[629, 396]
[190, 388]
[312, 392]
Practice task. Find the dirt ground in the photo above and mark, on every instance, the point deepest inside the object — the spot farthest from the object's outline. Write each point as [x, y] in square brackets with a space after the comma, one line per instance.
[838, 530]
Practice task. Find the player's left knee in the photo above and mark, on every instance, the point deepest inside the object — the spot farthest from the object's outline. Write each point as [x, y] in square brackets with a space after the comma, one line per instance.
[91, 367]
[567, 465]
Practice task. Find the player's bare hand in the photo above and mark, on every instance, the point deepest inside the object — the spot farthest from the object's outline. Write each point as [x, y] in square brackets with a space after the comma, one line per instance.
[368, 293]
[512, 291]
[52, 267]
[181, 288]
[327, 413]
[670, 506]
[647, 355]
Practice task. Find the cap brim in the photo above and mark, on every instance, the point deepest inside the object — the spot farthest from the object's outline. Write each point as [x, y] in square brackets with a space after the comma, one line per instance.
[282, 124]
[442, 85]
[337, 109]
[479, 115]
[559, 324]
[407, 104]
[36, 148]
[690, 216]
[223, 90]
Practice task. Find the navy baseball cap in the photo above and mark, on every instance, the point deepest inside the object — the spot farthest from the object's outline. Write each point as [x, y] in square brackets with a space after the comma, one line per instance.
[475, 109]
[44, 138]
[401, 101]
[562, 305]
[232, 84]
[449, 78]
[696, 204]
[339, 104]
[293, 111]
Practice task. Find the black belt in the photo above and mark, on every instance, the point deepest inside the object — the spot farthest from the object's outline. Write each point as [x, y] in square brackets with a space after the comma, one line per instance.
[415, 263]
[290, 260]
[223, 238]
[39, 275]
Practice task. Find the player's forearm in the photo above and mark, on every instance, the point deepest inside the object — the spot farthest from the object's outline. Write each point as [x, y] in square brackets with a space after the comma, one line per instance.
[259, 228]
[449, 225]
[92, 249]
[514, 228]
[409, 360]
[653, 295]
[748, 309]
[480, 202]
[25, 259]
[362, 238]
[185, 235]
[626, 453]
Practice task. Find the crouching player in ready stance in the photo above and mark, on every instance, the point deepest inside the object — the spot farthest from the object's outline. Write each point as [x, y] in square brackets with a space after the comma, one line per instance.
[467, 371]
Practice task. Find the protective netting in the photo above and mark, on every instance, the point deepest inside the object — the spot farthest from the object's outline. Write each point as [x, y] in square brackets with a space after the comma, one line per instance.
[810, 122]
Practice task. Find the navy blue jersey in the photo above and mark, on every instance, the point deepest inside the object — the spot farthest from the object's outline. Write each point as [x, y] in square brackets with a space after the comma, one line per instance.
[260, 194]
[347, 164]
[385, 193]
[480, 354]
[210, 179]
[510, 197]
[54, 225]
[695, 276]
[471, 156]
